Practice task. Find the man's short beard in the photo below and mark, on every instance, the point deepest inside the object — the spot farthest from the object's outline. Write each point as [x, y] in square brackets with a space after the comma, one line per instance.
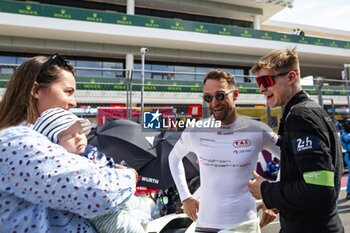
[212, 113]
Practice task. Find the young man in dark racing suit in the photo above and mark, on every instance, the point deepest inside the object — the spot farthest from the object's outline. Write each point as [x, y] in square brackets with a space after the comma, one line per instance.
[311, 157]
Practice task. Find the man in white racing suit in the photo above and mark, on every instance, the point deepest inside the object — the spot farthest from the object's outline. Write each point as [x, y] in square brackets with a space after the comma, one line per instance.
[227, 156]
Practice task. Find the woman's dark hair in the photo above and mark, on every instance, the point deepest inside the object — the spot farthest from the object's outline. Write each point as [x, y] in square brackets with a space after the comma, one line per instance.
[18, 103]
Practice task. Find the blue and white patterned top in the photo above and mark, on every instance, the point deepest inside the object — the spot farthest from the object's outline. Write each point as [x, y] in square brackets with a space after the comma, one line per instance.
[43, 188]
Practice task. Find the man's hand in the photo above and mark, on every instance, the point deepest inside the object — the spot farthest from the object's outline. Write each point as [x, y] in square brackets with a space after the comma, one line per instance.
[190, 208]
[268, 215]
[254, 185]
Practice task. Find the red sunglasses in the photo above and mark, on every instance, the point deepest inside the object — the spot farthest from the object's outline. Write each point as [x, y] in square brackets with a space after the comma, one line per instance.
[268, 80]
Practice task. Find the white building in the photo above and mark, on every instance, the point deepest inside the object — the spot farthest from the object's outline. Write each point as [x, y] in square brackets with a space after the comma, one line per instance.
[184, 37]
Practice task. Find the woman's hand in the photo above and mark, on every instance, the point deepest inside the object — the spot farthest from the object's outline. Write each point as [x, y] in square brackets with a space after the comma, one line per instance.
[136, 174]
[120, 166]
[123, 167]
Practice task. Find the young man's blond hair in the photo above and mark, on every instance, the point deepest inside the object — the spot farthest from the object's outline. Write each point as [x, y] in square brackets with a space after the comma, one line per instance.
[281, 60]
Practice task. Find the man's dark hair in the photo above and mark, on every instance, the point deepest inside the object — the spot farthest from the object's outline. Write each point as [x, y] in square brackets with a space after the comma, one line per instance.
[221, 74]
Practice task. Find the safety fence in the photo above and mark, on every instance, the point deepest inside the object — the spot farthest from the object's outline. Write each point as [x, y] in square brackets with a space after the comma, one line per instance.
[119, 86]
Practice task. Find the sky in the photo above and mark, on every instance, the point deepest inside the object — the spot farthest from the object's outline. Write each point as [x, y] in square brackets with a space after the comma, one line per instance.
[333, 14]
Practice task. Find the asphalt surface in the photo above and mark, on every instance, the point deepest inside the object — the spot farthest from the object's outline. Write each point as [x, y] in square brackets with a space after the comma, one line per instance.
[343, 210]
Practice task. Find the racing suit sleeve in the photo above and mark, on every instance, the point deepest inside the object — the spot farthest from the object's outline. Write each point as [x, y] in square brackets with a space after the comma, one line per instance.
[312, 184]
[343, 140]
[180, 150]
[347, 141]
[41, 172]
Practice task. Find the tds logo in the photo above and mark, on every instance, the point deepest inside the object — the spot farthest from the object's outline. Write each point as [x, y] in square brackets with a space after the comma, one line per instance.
[241, 143]
[151, 120]
[241, 151]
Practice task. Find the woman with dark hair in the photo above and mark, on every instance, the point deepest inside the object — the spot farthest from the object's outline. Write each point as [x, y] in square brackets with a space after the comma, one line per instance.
[37, 85]
[43, 188]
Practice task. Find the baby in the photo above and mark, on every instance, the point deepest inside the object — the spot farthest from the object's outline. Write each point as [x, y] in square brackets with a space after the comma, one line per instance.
[68, 130]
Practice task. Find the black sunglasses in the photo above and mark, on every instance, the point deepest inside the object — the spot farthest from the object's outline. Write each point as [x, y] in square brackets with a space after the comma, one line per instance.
[55, 59]
[268, 80]
[220, 96]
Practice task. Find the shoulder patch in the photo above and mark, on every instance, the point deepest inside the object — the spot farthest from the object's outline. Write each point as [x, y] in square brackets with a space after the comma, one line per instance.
[306, 143]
